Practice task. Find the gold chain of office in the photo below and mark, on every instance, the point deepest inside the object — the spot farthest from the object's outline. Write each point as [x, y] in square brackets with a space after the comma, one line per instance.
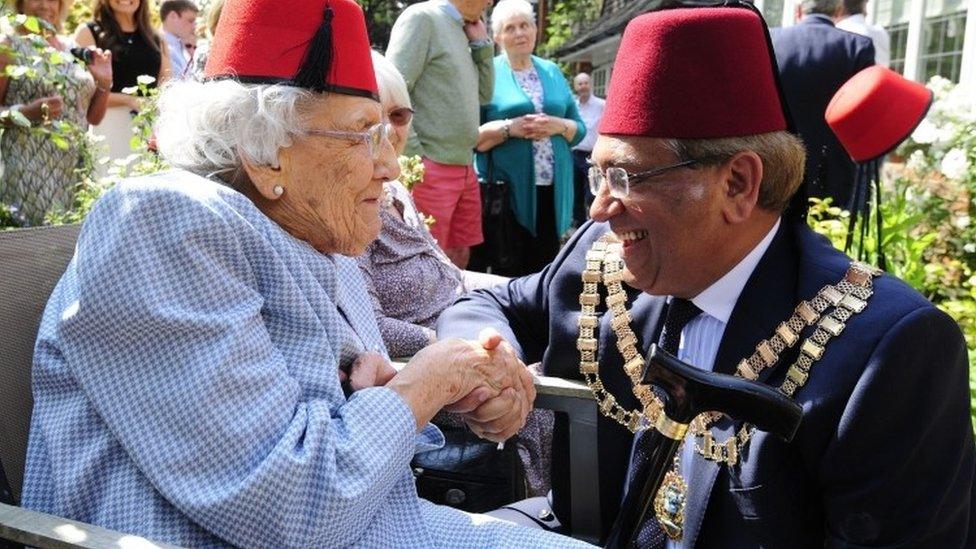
[604, 264]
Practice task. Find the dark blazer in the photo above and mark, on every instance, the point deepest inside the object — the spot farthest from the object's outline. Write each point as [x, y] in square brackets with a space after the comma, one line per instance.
[884, 455]
[815, 59]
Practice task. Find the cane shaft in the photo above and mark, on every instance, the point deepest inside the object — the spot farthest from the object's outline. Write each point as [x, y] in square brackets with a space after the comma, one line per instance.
[638, 504]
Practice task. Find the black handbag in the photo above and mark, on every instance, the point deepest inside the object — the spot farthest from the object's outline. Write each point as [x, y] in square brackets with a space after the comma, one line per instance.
[469, 473]
[501, 251]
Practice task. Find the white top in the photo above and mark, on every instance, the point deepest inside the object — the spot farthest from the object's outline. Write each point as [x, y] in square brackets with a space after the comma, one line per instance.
[882, 42]
[591, 112]
[700, 338]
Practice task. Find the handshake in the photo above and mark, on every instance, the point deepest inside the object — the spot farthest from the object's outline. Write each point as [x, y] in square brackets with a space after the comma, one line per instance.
[484, 381]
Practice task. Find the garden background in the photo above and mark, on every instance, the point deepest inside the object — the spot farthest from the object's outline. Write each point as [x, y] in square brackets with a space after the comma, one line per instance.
[928, 184]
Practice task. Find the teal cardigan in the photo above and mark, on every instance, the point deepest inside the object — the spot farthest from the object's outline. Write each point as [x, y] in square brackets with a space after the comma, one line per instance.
[512, 160]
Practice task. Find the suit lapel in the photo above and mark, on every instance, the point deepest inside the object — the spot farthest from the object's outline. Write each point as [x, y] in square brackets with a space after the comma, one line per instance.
[767, 299]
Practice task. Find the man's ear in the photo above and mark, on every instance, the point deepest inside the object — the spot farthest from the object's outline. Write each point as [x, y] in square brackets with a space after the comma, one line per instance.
[743, 180]
[263, 177]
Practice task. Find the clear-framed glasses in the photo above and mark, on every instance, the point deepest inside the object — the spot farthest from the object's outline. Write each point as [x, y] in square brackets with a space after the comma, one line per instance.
[373, 137]
[620, 180]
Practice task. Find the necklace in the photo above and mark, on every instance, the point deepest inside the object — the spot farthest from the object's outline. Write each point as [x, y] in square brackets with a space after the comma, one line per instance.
[604, 264]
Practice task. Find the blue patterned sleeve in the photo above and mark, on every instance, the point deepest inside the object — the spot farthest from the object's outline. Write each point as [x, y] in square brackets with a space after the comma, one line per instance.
[168, 342]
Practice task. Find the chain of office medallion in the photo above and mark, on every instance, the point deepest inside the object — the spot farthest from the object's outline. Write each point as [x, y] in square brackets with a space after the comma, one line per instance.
[848, 297]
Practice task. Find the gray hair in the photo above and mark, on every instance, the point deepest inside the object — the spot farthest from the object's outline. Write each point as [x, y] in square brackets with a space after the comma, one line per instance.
[506, 10]
[393, 88]
[823, 7]
[207, 127]
[782, 153]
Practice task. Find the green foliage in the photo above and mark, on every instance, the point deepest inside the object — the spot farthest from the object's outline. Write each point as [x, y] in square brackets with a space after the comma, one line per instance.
[928, 205]
[564, 19]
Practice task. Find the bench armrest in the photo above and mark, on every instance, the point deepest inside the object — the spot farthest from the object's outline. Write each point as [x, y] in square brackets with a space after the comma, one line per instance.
[575, 399]
[36, 529]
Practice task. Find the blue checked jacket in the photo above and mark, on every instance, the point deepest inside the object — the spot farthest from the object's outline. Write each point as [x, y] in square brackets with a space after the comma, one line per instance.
[186, 388]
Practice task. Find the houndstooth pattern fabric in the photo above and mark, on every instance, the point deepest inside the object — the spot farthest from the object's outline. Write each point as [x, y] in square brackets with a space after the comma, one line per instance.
[38, 176]
[186, 390]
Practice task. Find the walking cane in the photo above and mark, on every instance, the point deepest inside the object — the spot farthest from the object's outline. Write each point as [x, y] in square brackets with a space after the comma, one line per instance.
[689, 392]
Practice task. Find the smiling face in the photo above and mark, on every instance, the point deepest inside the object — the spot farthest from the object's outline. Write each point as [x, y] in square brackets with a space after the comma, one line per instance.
[48, 10]
[517, 36]
[671, 225]
[128, 7]
[332, 186]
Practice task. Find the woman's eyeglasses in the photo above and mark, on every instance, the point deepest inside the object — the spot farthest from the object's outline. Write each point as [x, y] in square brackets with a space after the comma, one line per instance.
[400, 116]
[373, 137]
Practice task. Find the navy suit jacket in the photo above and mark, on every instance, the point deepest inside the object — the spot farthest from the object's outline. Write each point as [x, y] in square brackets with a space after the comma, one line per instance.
[884, 455]
[815, 59]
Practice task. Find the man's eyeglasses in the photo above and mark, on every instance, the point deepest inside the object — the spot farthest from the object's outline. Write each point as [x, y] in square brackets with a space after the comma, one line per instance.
[400, 116]
[373, 137]
[620, 180]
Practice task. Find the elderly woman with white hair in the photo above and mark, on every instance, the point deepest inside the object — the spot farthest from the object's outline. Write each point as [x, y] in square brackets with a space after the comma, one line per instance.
[409, 277]
[208, 371]
[40, 174]
[525, 138]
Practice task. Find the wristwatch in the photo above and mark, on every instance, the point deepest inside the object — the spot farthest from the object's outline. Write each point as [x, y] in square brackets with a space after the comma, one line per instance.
[507, 130]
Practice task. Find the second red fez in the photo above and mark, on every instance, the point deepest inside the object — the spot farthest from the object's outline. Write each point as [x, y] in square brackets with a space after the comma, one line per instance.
[876, 110]
[694, 73]
[320, 45]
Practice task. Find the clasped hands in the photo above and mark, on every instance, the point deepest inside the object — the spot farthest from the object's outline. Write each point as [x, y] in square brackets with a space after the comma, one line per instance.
[483, 381]
[536, 126]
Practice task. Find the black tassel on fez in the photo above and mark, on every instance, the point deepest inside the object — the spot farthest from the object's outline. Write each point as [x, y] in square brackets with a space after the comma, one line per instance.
[318, 58]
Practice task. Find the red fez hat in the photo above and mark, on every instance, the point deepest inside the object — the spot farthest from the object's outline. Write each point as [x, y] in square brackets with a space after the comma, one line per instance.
[876, 110]
[320, 45]
[694, 73]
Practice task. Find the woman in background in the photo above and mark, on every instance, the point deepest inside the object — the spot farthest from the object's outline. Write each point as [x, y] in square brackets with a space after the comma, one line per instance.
[409, 277]
[526, 134]
[123, 27]
[203, 49]
[39, 177]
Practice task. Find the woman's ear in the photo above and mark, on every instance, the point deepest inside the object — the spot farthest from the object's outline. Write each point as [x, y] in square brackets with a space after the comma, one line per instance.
[266, 179]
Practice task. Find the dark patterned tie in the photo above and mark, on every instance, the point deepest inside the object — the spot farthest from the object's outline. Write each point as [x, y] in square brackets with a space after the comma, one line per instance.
[680, 313]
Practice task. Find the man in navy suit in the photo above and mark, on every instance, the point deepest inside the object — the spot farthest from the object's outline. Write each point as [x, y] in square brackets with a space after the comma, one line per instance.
[815, 59]
[695, 167]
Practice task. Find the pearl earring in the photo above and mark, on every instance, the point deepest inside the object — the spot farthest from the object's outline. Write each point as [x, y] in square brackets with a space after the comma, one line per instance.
[278, 190]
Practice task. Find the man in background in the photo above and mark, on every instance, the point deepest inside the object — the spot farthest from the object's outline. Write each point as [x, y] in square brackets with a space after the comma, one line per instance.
[179, 19]
[815, 59]
[591, 110]
[853, 20]
[443, 51]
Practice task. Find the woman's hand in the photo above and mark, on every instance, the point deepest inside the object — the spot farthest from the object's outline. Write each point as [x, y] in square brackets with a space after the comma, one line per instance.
[43, 109]
[370, 369]
[543, 126]
[455, 372]
[101, 68]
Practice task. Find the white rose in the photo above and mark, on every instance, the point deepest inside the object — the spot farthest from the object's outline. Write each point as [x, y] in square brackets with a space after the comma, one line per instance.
[961, 222]
[916, 162]
[954, 164]
[926, 132]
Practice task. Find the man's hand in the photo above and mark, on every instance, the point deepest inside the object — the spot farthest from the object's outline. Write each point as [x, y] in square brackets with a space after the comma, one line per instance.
[476, 30]
[501, 417]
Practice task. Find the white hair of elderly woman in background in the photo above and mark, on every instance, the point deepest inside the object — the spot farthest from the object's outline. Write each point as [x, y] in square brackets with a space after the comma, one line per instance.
[505, 10]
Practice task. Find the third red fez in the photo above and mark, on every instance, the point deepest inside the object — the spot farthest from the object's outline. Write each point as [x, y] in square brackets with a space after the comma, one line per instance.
[874, 111]
[694, 73]
[320, 45]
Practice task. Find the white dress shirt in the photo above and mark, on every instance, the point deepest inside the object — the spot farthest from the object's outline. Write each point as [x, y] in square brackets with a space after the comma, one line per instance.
[591, 112]
[882, 42]
[700, 338]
